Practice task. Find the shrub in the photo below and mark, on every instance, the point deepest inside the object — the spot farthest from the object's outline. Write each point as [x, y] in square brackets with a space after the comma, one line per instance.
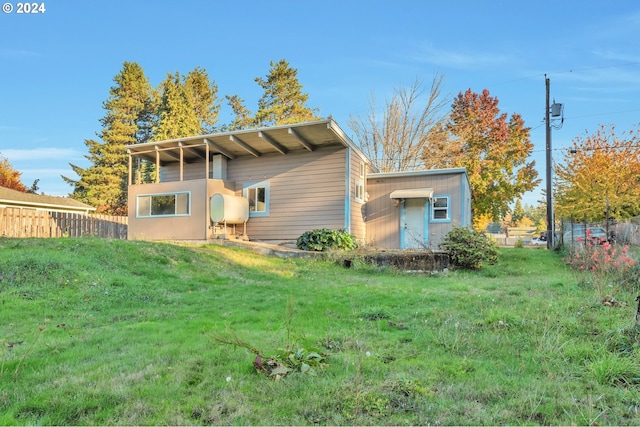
[325, 239]
[468, 248]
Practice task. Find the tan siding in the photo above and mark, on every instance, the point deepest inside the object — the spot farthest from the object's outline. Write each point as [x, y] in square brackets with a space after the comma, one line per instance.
[192, 227]
[358, 211]
[383, 218]
[307, 191]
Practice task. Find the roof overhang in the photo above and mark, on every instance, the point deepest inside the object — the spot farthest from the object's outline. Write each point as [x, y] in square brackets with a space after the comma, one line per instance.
[277, 140]
[414, 193]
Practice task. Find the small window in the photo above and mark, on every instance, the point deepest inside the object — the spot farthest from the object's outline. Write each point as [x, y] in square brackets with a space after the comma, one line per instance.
[359, 194]
[361, 170]
[170, 204]
[440, 209]
[258, 196]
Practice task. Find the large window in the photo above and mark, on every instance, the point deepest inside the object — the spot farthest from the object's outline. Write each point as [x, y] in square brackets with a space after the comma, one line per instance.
[440, 209]
[258, 196]
[169, 204]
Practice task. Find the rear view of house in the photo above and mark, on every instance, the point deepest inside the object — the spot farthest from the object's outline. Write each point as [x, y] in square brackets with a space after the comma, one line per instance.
[273, 184]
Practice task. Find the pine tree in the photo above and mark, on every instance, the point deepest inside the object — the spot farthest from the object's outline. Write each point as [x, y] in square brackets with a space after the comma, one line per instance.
[127, 120]
[187, 105]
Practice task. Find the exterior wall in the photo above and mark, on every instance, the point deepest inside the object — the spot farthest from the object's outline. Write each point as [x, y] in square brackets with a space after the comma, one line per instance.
[194, 226]
[306, 191]
[383, 217]
[357, 208]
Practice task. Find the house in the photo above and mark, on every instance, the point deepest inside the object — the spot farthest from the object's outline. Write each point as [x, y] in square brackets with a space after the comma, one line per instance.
[10, 198]
[275, 183]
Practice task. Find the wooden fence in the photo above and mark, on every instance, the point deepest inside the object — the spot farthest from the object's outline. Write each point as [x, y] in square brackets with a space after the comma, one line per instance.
[16, 222]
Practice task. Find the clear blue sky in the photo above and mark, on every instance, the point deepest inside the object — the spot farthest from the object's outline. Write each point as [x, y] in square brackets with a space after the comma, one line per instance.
[57, 66]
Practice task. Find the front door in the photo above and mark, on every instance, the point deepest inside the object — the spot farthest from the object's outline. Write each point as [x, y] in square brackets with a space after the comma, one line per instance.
[413, 225]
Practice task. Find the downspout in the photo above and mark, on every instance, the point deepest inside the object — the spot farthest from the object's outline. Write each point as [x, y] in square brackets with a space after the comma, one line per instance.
[347, 198]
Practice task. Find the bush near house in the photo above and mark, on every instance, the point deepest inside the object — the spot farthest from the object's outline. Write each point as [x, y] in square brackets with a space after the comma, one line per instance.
[325, 239]
[469, 249]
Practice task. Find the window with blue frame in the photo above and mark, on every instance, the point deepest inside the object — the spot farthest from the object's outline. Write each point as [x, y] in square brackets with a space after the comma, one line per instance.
[440, 209]
[258, 196]
[168, 204]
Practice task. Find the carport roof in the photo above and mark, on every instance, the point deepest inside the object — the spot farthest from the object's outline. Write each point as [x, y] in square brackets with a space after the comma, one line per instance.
[253, 142]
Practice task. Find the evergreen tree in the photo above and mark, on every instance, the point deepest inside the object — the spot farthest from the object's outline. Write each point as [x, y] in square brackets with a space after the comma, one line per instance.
[283, 101]
[127, 120]
[187, 105]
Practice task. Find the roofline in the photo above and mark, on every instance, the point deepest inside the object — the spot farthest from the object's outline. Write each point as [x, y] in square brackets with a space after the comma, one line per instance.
[233, 132]
[418, 173]
[44, 206]
[331, 124]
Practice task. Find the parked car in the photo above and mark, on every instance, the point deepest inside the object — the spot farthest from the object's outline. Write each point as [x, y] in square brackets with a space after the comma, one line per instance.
[582, 235]
[540, 240]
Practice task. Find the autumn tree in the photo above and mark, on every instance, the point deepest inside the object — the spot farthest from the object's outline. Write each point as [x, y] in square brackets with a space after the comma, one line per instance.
[493, 148]
[9, 177]
[600, 177]
[396, 138]
[282, 102]
[127, 120]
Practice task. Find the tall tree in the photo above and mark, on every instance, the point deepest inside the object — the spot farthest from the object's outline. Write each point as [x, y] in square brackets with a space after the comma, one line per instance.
[126, 121]
[187, 105]
[494, 151]
[600, 177]
[409, 123]
[282, 102]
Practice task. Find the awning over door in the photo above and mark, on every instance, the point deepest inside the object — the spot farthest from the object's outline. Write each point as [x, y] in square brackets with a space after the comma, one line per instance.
[414, 193]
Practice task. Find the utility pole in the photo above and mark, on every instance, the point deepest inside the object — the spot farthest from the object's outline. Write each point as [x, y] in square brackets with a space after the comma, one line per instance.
[550, 219]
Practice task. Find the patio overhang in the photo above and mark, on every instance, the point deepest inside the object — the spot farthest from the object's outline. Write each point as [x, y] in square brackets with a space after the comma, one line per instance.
[278, 140]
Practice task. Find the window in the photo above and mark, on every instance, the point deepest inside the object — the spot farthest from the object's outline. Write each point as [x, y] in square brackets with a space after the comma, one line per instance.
[361, 170]
[359, 194]
[258, 196]
[170, 204]
[440, 209]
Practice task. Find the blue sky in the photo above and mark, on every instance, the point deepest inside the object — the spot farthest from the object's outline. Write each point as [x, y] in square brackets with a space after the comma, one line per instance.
[58, 66]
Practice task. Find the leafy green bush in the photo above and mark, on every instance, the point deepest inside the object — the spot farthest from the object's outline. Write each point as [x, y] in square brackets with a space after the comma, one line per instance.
[468, 248]
[325, 239]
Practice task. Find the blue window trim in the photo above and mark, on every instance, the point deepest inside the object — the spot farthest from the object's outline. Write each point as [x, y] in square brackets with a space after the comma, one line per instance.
[174, 193]
[267, 196]
[440, 220]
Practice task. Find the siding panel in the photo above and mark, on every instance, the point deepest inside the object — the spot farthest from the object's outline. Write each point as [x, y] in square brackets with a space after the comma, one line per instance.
[306, 191]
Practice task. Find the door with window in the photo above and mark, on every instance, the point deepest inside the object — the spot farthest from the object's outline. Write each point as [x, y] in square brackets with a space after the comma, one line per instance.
[413, 225]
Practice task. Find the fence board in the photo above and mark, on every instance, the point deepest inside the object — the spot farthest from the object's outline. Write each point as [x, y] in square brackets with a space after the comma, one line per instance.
[16, 222]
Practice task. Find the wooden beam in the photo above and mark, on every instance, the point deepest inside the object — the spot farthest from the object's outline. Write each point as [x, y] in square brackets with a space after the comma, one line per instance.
[272, 142]
[306, 144]
[244, 145]
[220, 150]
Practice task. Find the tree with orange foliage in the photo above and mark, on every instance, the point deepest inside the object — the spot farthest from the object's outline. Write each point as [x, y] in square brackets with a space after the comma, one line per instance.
[600, 177]
[9, 177]
[494, 149]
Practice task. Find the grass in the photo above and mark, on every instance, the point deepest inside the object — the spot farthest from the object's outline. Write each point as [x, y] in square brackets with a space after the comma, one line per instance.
[127, 333]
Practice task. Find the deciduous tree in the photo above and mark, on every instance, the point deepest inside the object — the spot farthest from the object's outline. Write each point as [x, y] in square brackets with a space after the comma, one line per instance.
[494, 150]
[600, 177]
[409, 122]
[9, 177]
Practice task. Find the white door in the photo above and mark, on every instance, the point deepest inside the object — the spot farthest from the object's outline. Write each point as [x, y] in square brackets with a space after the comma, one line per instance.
[412, 233]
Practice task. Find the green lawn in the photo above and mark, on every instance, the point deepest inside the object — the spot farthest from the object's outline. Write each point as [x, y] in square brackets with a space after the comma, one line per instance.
[129, 333]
